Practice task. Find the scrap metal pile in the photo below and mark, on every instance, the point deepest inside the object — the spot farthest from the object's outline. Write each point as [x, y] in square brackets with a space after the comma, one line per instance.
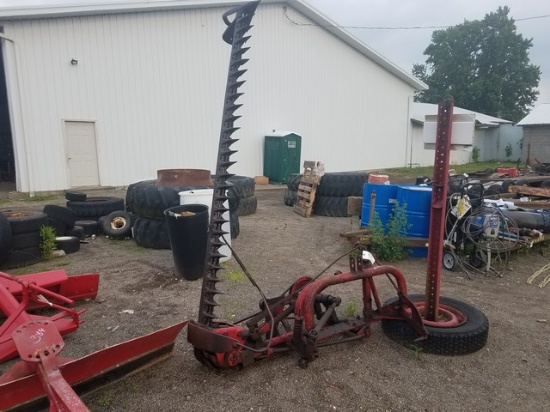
[482, 229]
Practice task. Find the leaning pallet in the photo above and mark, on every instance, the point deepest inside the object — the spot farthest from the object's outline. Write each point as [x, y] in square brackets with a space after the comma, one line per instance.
[305, 196]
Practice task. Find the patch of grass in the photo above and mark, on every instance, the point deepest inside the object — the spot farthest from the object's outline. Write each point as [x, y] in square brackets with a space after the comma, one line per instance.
[47, 242]
[38, 198]
[416, 350]
[351, 308]
[428, 170]
[235, 276]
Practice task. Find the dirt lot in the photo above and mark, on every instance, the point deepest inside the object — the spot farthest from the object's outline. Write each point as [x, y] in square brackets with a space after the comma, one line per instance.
[510, 374]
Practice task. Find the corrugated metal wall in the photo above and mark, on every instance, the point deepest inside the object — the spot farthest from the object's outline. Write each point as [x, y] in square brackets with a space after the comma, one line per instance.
[153, 83]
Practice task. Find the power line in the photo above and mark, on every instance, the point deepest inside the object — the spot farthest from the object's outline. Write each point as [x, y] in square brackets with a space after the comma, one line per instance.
[389, 27]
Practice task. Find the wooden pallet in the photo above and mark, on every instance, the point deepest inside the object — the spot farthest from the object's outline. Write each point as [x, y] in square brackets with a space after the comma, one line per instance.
[307, 188]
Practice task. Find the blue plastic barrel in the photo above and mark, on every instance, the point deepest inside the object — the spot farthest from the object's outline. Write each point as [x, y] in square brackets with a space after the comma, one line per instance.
[419, 201]
[383, 203]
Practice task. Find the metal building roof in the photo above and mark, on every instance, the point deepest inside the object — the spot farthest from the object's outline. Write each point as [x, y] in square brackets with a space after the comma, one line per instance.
[50, 11]
[420, 110]
[539, 116]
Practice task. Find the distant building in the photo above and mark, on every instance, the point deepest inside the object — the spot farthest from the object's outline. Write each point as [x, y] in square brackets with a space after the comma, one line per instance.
[536, 135]
[495, 139]
[107, 94]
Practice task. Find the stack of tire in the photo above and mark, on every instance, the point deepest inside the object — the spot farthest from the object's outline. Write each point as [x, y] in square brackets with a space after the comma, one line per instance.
[243, 195]
[100, 215]
[331, 198]
[20, 238]
[147, 202]
[63, 221]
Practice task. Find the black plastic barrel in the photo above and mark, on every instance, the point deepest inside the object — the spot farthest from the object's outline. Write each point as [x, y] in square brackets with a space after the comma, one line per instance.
[188, 229]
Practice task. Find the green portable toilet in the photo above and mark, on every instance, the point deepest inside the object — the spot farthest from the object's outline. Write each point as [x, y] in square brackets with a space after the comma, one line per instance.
[282, 155]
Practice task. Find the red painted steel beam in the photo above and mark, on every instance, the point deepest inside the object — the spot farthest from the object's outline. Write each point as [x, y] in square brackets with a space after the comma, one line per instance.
[439, 203]
[21, 387]
[306, 299]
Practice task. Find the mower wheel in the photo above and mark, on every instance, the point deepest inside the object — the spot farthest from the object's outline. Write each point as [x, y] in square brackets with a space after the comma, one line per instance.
[117, 225]
[468, 337]
[449, 260]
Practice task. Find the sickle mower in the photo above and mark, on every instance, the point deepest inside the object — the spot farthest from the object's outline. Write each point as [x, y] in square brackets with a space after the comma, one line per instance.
[302, 319]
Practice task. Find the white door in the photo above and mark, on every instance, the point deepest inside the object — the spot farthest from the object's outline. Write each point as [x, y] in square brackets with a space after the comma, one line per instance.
[81, 152]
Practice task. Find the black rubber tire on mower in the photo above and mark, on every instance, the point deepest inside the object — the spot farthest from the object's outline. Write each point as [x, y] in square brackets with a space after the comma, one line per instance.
[77, 231]
[59, 228]
[22, 257]
[342, 184]
[293, 181]
[64, 215]
[26, 240]
[68, 244]
[290, 197]
[94, 207]
[151, 233]
[23, 221]
[244, 185]
[6, 238]
[332, 206]
[148, 200]
[76, 196]
[117, 225]
[89, 227]
[234, 225]
[460, 340]
[247, 206]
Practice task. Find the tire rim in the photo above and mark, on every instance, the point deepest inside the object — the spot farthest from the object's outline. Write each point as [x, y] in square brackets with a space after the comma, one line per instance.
[118, 223]
[449, 317]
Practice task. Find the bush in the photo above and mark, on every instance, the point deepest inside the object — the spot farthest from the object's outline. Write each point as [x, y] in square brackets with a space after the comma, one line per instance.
[388, 243]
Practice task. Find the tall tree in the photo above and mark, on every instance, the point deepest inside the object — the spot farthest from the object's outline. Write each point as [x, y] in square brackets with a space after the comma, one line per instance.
[484, 65]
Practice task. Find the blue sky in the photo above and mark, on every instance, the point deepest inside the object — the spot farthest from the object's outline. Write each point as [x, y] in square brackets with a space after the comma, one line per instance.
[405, 47]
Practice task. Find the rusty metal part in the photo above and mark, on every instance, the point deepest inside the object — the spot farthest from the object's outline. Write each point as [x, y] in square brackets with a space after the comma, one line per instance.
[183, 177]
[303, 319]
[41, 375]
[234, 35]
[437, 212]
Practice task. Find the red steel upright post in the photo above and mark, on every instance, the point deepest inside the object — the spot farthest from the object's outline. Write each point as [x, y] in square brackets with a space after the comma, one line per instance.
[439, 200]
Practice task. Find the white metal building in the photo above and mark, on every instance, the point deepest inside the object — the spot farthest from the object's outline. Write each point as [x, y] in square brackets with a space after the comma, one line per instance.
[536, 129]
[491, 136]
[106, 95]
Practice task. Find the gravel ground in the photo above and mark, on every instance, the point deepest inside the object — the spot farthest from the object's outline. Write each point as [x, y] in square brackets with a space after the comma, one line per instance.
[510, 374]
